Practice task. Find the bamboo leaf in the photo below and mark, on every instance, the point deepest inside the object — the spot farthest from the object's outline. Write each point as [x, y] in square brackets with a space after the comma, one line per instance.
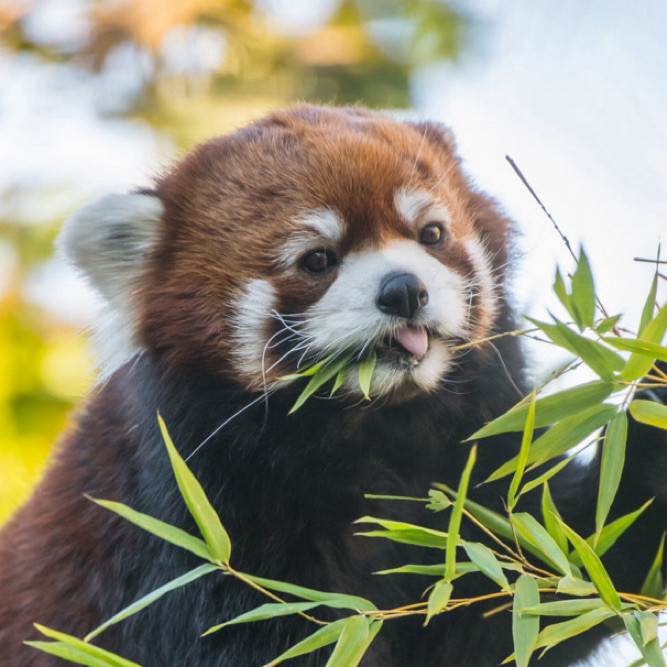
[559, 632]
[594, 567]
[339, 381]
[561, 292]
[70, 653]
[488, 564]
[437, 570]
[545, 476]
[326, 635]
[561, 437]
[163, 530]
[607, 324]
[265, 611]
[575, 586]
[146, 600]
[583, 292]
[338, 600]
[525, 627]
[649, 305]
[523, 454]
[351, 644]
[455, 517]
[641, 347]
[415, 537]
[640, 628]
[565, 607]
[639, 364]
[324, 373]
[599, 359]
[611, 468]
[202, 512]
[366, 368]
[549, 409]
[88, 650]
[532, 531]
[653, 585]
[438, 599]
[649, 412]
[550, 515]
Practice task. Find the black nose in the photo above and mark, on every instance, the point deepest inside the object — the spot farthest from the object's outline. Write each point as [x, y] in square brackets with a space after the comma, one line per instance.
[402, 294]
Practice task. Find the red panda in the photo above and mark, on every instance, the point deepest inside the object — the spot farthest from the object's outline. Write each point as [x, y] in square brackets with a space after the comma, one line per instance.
[311, 232]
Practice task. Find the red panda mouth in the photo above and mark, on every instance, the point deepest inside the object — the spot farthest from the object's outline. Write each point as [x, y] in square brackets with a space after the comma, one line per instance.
[409, 342]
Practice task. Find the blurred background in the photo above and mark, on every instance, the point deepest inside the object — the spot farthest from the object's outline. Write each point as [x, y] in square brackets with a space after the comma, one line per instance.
[100, 95]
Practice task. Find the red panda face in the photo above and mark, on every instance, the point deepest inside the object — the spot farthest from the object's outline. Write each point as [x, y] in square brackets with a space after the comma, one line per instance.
[311, 233]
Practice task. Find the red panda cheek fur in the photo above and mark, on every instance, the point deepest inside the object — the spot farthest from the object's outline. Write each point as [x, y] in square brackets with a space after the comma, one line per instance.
[288, 487]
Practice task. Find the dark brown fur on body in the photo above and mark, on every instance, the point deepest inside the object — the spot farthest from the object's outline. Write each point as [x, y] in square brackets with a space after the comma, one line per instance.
[287, 487]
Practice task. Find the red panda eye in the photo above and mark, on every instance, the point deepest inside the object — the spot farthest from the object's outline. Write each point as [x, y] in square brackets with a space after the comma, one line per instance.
[319, 261]
[432, 234]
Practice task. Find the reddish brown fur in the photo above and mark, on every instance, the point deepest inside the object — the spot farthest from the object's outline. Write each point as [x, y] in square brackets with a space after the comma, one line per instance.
[233, 200]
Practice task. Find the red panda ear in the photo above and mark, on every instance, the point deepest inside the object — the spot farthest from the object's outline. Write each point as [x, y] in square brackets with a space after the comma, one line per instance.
[438, 134]
[109, 239]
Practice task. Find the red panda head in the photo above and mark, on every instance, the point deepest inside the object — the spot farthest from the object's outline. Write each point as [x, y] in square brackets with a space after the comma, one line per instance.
[311, 232]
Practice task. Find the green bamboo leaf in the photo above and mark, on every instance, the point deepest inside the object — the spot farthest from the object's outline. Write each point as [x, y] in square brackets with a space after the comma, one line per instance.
[565, 607]
[532, 531]
[649, 306]
[366, 368]
[438, 599]
[163, 530]
[640, 627]
[391, 524]
[611, 468]
[550, 514]
[641, 347]
[419, 538]
[559, 632]
[70, 653]
[488, 564]
[324, 373]
[525, 627]
[649, 412]
[307, 372]
[599, 359]
[639, 364]
[326, 635]
[143, 602]
[265, 611]
[654, 584]
[610, 533]
[339, 381]
[437, 570]
[339, 600]
[549, 409]
[545, 476]
[607, 324]
[575, 586]
[437, 501]
[561, 437]
[594, 567]
[88, 650]
[583, 293]
[352, 643]
[561, 292]
[202, 512]
[455, 517]
[522, 457]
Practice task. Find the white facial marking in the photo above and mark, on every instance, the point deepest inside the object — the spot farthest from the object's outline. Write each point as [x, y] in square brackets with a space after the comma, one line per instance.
[417, 206]
[483, 284]
[253, 312]
[108, 241]
[323, 226]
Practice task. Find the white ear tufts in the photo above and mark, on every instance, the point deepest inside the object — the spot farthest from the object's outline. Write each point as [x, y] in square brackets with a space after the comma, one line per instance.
[109, 239]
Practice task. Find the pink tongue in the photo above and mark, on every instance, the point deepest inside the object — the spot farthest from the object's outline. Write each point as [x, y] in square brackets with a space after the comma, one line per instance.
[415, 341]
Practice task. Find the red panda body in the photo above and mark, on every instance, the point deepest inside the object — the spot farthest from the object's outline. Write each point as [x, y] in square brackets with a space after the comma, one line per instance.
[311, 232]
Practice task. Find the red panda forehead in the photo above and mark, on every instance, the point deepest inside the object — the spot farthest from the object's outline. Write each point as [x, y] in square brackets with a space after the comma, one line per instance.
[261, 180]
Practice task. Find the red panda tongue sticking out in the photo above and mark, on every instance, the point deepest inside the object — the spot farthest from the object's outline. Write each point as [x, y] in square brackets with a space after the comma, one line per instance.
[413, 340]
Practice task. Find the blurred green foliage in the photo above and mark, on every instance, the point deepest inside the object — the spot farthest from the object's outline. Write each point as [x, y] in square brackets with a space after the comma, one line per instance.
[198, 68]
